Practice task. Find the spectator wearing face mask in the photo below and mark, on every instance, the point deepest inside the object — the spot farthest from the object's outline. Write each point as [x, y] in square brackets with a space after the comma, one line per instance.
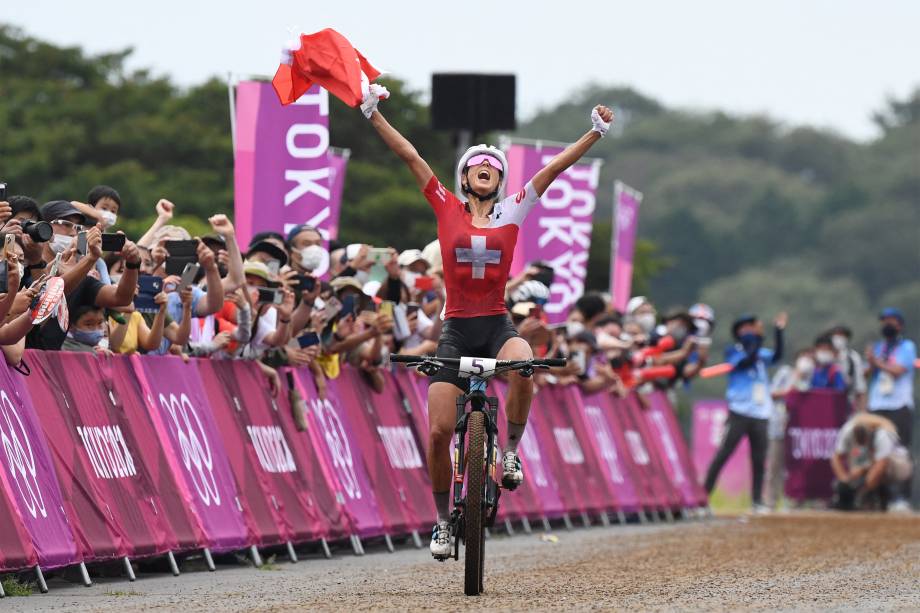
[704, 320]
[749, 401]
[851, 364]
[891, 381]
[88, 332]
[796, 377]
[827, 375]
[308, 256]
[641, 311]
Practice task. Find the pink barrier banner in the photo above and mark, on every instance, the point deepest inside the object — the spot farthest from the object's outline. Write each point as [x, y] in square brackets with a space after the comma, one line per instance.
[597, 410]
[119, 377]
[319, 490]
[16, 550]
[333, 433]
[734, 484]
[666, 434]
[661, 479]
[29, 480]
[644, 459]
[283, 173]
[185, 427]
[623, 242]
[107, 490]
[388, 423]
[242, 391]
[572, 433]
[233, 414]
[558, 230]
[815, 418]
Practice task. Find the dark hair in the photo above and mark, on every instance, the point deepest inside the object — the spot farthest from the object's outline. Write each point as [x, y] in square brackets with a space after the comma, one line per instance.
[82, 310]
[103, 191]
[611, 318]
[261, 236]
[23, 203]
[824, 339]
[861, 435]
[591, 305]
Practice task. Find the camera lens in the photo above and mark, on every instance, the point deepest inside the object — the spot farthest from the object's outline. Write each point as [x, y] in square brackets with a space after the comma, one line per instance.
[38, 231]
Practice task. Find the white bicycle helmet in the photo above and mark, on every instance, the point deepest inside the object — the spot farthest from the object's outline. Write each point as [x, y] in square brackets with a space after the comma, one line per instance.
[531, 291]
[488, 150]
[702, 311]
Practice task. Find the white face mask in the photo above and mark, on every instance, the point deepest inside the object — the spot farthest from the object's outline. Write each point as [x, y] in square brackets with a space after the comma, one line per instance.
[22, 270]
[804, 365]
[703, 327]
[573, 328]
[108, 218]
[60, 242]
[315, 259]
[824, 356]
[408, 277]
[646, 321]
[839, 341]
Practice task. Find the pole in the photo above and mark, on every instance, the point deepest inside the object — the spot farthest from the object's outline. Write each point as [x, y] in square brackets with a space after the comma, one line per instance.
[231, 94]
[464, 138]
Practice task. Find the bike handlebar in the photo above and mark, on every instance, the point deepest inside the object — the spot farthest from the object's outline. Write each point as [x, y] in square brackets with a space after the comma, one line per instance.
[417, 359]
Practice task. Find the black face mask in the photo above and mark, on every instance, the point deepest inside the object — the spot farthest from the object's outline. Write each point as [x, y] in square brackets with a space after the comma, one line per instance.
[890, 331]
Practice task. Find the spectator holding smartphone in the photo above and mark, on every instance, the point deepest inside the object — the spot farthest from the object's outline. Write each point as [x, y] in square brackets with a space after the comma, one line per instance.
[272, 321]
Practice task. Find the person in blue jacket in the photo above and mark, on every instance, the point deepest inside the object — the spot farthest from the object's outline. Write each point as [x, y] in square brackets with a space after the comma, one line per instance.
[827, 375]
[749, 401]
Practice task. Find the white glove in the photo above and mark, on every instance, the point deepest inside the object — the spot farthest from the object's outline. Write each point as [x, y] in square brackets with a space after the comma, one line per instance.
[597, 124]
[375, 93]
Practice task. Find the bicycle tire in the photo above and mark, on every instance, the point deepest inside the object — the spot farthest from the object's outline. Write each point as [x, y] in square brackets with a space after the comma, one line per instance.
[472, 511]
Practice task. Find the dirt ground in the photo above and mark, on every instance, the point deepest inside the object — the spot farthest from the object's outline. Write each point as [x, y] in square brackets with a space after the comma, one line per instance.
[814, 561]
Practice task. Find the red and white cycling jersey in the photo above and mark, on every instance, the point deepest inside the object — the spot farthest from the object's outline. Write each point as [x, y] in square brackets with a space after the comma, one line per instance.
[477, 260]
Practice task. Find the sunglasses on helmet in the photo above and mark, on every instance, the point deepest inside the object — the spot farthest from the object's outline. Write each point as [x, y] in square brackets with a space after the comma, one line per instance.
[493, 161]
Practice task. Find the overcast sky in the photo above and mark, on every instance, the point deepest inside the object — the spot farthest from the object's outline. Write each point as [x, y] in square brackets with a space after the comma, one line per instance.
[827, 63]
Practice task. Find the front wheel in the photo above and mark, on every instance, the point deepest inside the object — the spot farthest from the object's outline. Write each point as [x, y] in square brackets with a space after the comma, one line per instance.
[473, 509]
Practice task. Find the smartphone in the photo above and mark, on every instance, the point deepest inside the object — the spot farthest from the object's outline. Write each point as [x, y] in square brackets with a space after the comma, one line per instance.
[332, 308]
[379, 255]
[424, 283]
[8, 241]
[269, 295]
[148, 286]
[412, 307]
[386, 307]
[308, 339]
[113, 242]
[182, 249]
[306, 283]
[348, 305]
[273, 266]
[2, 192]
[3, 282]
[81, 243]
[189, 274]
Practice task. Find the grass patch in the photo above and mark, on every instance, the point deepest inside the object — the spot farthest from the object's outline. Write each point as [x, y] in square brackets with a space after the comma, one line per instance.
[12, 586]
[123, 593]
[269, 564]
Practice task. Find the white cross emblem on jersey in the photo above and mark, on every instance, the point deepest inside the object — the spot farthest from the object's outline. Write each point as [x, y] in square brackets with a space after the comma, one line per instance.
[478, 256]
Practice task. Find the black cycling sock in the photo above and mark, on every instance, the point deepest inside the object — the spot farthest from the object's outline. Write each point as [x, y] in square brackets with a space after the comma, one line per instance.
[442, 505]
[515, 432]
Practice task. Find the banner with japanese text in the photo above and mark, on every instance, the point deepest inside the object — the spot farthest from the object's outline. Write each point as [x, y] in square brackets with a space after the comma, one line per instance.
[626, 202]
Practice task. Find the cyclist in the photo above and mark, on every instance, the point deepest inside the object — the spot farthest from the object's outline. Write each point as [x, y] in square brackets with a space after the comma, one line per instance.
[477, 240]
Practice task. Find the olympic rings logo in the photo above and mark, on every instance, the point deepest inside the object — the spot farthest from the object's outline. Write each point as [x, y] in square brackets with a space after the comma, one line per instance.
[193, 443]
[337, 443]
[19, 457]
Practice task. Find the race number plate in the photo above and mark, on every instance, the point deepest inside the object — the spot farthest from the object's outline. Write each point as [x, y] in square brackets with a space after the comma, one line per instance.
[476, 367]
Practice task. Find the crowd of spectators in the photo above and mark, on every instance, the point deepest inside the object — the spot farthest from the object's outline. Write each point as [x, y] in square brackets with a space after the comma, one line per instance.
[287, 300]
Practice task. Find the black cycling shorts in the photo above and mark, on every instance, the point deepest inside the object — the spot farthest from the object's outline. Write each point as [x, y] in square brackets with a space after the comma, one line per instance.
[476, 337]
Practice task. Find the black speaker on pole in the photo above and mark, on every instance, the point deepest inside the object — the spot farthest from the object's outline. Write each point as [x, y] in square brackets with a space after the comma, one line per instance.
[473, 102]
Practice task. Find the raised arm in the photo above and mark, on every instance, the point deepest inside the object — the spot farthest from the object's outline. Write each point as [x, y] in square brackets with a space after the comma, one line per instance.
[601, 117]
[393, 139]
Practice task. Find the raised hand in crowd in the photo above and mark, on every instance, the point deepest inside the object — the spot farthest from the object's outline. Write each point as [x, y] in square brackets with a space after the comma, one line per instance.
[164, 210]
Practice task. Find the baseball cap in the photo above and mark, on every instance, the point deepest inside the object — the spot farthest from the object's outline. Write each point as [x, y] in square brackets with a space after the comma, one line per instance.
[214, 239]
[259, 269]
[340, 283]
[304, 227]
[634, 303]
[411, 256]
[271, 249]
[59, 209]
[892, 312]
[747, 318]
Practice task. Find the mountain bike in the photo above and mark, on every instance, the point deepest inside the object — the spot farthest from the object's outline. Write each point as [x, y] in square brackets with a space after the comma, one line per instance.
[476, 449]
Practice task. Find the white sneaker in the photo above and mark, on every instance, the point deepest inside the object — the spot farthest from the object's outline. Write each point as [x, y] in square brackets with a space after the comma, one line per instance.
[761, 509]
[512, 473]
[899, 506]
[442, 540]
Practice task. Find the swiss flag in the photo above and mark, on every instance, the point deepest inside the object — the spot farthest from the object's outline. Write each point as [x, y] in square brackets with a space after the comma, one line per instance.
[327, 59]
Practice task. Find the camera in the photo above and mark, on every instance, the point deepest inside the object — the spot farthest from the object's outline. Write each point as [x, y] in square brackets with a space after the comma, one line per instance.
[38, 231]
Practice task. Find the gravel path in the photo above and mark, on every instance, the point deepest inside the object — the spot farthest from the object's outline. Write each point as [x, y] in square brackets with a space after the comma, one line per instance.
[818, 561]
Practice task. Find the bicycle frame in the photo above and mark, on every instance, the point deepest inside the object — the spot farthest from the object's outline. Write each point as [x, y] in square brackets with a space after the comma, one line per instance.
[477, 400]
